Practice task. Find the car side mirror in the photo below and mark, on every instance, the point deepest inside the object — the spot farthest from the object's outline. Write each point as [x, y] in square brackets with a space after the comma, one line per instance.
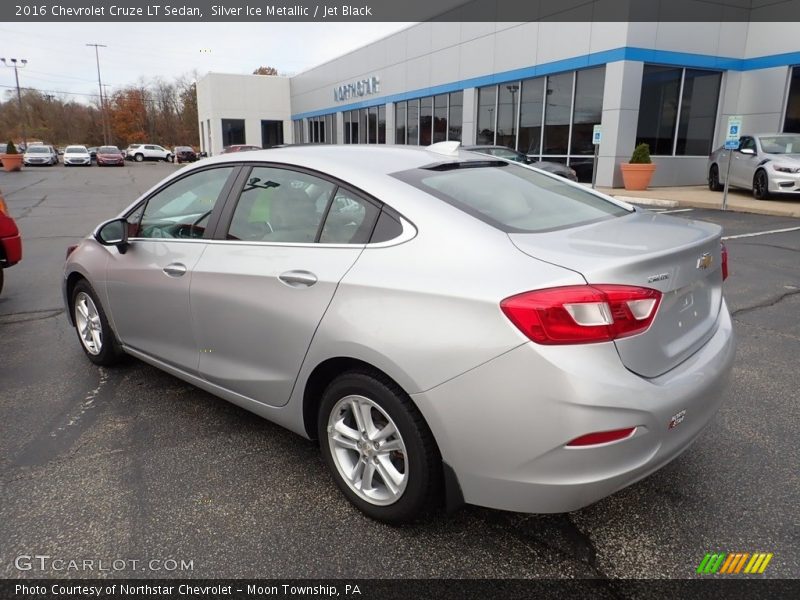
[114, 233]
[747, 151]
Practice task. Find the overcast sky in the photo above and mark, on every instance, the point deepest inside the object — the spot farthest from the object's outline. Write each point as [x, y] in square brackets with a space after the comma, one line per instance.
[59, 60]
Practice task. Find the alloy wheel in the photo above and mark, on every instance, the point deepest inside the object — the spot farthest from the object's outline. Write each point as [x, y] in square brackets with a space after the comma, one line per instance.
[87, 321]
[368, 450]
[760, 185]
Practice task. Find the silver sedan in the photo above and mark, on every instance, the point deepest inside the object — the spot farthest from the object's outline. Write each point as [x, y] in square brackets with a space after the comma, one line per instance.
[767, 163]
[450, 328]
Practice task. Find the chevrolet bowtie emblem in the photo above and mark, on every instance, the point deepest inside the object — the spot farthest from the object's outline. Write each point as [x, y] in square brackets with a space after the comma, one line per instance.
[705, 261]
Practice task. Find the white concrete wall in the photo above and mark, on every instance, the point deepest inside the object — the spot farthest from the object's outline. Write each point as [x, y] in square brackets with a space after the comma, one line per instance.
[250, 97]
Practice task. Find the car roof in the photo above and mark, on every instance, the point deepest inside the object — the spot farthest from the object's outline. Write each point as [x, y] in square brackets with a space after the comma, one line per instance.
[352, 161]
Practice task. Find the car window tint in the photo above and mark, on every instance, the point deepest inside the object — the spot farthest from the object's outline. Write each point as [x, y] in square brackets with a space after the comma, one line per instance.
[182, 209]
[747, 143]
[387, 228]
[512, 198]
[280, 205]
[350, 220]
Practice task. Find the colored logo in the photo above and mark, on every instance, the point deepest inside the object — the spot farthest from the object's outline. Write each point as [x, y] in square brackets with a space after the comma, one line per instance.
[734, 563]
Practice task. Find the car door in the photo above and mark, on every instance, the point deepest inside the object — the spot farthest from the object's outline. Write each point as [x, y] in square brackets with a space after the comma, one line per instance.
[260, 290]
[148, 285]
[744, 163]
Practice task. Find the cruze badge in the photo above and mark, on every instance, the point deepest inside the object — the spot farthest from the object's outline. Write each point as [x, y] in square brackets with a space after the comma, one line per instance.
[704, 261]
[676, 419]
[659, 277]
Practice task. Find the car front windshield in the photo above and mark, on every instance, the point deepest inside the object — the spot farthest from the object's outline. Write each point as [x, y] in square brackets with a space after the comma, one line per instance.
[780, 144]
[75, 150]
[108, 150]
[38, 150]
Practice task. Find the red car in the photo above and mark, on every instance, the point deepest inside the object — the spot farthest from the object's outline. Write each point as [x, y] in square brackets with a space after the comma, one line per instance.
[109, 155]
[10, 242]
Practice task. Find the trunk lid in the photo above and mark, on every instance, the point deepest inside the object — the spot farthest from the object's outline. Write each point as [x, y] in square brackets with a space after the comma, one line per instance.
[678, 257]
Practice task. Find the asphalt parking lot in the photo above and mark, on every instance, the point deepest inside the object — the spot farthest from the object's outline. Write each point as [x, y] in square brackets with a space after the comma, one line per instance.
[132, 463]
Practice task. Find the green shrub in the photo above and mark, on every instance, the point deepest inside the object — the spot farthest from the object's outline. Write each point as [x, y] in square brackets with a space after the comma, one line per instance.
[11, 148]
[641, 155]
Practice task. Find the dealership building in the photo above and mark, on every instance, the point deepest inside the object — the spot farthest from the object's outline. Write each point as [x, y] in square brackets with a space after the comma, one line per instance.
[539, 87]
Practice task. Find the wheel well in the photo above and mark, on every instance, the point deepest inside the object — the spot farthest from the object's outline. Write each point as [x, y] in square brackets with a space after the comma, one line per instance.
[320, 378]
[72, 281]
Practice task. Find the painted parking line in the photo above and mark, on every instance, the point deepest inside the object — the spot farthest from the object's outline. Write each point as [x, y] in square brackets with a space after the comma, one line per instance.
[678, 210]
[757, 233]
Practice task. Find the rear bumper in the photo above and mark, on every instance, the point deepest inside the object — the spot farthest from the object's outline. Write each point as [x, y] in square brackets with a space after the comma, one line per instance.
[503, 426]
[12, 251]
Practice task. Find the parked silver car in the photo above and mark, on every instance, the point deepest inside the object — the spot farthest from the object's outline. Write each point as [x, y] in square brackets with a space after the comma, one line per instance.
[767, 163]
[40, 154]
[442, 323]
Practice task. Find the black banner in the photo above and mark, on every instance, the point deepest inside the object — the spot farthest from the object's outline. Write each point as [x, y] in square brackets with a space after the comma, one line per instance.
[399, 10]
[730, 588]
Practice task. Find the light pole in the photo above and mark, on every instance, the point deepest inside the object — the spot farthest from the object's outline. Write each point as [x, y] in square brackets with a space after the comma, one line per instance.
[100, 86]
[19, 64]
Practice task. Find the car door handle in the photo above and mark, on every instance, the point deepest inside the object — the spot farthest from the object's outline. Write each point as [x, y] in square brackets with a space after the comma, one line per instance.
[298, 279]
[175, 270]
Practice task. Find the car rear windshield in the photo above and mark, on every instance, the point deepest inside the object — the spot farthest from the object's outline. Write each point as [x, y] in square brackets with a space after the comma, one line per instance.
[510, 197]
[108, 150]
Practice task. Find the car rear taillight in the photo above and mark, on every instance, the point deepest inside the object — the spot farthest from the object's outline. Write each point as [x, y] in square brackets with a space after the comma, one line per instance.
[70, 250]
[602, 437]
[582, 314]
[724, 253]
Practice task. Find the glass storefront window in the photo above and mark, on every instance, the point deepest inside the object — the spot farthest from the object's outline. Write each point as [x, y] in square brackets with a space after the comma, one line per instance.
[557, 113]
[425, 120]
[698, 112]
[791, 123]
[363, 126]
[658, 108]
[487, 100]
[413, 122]
[507, 115]
[439, 118]
[661, 127]
[530, 116]
[372, 130]
[400, 122]
[232, 131]
[588, 109]
[455, 117]
[382, 124]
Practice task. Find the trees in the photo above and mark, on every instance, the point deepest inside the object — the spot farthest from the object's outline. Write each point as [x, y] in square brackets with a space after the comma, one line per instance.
[265, 71]
[158, 111]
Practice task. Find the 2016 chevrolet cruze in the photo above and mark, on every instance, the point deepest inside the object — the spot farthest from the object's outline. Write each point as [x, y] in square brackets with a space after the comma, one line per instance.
[449, 326]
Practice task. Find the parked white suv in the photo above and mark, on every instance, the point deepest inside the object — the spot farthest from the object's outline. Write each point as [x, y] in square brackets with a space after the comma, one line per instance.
[140, 152]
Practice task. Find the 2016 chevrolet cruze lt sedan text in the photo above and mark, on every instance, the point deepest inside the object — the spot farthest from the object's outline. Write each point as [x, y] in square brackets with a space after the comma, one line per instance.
[450, 327]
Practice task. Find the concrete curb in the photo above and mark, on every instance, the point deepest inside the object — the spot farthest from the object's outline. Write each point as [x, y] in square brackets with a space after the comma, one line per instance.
[649, 201]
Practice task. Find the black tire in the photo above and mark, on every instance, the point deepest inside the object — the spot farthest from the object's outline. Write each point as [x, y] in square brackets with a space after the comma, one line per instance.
[760, 185]
[110, 351]
[138, 157]
[424, 463]
[713, 179]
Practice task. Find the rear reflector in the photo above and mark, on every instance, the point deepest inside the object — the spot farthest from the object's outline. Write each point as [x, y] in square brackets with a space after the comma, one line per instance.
[724, 262]
[582, 314]
[602, 437]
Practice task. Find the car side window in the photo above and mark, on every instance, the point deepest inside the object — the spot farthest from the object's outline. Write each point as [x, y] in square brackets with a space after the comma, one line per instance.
[280, 205]
[747, 143]
[182, 209]
[350, 219]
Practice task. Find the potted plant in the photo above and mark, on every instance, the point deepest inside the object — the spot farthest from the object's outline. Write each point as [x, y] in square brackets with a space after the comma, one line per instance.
[12, 160]
[637, 173]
